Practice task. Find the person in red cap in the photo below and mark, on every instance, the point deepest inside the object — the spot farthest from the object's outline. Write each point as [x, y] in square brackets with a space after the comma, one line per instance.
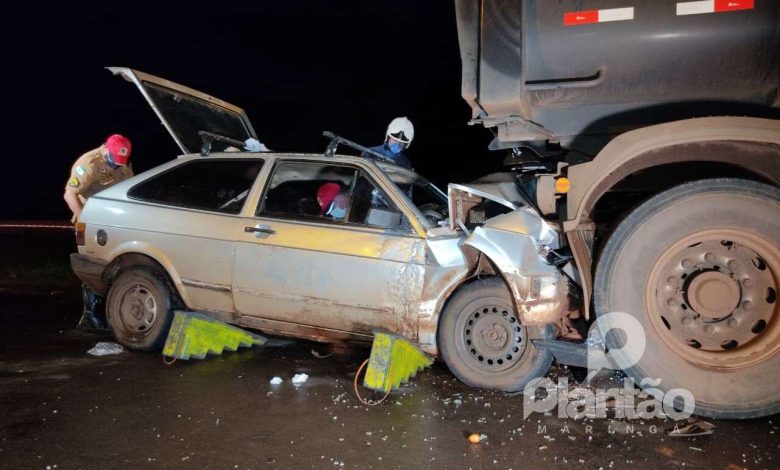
[97, 170]
[333, 202]
[326, 194]
[94, 171]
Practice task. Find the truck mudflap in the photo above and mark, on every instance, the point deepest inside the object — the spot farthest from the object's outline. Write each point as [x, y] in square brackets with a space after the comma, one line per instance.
[90, 271]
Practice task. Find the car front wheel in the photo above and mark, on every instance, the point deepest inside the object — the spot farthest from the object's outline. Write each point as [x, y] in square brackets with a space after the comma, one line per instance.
[139, 308]
[483, 343]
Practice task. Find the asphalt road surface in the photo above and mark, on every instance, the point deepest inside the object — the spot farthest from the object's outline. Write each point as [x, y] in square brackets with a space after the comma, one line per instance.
[63, 408]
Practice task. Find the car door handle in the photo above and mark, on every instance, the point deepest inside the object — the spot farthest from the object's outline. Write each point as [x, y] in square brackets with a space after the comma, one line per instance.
[260, 230]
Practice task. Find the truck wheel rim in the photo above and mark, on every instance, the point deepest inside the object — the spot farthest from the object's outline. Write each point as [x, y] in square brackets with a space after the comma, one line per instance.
[138, 309]
[492, 339]
[712, 298]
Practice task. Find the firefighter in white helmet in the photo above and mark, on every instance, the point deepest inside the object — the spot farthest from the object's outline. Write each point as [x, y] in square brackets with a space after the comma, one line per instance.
[398, 137]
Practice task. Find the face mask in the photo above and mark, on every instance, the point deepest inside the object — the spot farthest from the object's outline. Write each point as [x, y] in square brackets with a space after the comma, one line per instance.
[110, 161]
[338, 212]
[395, 148]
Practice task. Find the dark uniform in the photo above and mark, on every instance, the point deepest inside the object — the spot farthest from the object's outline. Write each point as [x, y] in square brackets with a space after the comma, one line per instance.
[398, 158]
[90, 174]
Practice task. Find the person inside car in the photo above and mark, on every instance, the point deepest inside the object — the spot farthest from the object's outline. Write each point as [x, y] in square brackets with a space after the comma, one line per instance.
[333, 201]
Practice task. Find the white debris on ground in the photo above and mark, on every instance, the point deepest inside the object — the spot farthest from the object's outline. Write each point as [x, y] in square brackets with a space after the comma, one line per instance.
[105, 349]
[276, 381]
[299, 379]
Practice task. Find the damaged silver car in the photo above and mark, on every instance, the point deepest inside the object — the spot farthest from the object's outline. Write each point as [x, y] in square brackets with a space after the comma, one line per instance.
[247, 238]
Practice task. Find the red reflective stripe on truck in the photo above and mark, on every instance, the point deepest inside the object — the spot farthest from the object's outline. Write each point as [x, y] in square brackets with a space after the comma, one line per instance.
[580, 17]
[713, 6]
[732, 5]
[598, 16]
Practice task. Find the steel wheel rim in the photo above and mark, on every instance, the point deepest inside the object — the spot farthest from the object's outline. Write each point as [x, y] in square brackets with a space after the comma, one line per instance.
[712, 298]
[490, 337]
[138, 308]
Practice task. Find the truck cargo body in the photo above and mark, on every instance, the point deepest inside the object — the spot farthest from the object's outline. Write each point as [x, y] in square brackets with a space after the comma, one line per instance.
[579, 72]
[648, 134]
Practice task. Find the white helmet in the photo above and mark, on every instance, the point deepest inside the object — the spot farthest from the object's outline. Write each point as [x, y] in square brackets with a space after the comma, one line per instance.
[401, 129]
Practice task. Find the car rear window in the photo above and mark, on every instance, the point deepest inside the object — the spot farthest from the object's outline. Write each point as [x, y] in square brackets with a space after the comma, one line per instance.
[210, 185]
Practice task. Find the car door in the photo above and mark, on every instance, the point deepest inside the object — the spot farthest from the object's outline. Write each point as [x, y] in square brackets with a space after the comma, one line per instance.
[297, 263]
[186, 216]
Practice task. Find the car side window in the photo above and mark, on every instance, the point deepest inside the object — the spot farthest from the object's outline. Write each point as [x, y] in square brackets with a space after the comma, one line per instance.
[216, 185]
[371, 206]
[328, 193]
[305, 190]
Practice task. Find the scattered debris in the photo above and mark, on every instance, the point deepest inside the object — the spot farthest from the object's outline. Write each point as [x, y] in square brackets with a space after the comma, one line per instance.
[276, 381]
[321, 356]
[105, 349]
[691, 427]
[299, 379]
[477, 438]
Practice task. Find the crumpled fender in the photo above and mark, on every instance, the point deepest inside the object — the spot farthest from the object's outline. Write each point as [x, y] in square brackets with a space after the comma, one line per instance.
[540, 290]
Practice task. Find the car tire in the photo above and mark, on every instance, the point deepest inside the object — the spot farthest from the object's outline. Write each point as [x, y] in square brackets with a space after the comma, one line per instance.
[484, 344]
[139, 308]
[698, 267]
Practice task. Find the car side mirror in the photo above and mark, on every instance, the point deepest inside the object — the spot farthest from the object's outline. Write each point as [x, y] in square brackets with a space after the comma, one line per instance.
[384, 218]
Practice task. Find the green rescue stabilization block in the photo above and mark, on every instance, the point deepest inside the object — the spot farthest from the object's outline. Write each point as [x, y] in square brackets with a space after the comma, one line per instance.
[194, 336]
[394, 360]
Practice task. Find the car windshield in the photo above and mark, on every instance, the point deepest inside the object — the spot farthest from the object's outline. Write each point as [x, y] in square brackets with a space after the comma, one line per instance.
[429, 199]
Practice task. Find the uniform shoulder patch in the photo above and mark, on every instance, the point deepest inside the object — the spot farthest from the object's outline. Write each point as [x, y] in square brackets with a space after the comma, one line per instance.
[81, 171]
[74, 182]
[96, 160]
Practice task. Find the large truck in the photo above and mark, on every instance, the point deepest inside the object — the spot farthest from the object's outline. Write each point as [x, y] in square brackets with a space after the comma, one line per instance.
[648, 135]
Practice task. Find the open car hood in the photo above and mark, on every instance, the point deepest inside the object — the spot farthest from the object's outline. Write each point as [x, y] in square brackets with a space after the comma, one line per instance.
[185, 112]
[462, 199]
[499, 206]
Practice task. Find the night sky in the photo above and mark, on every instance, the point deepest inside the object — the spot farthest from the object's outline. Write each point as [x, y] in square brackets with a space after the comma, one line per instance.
[297, 68]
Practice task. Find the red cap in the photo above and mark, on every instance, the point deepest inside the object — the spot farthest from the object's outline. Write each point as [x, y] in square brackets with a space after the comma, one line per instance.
[119, 147]
[326, 194]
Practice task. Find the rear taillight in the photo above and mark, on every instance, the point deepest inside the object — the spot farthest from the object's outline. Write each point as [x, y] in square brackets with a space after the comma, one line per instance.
[80, 229]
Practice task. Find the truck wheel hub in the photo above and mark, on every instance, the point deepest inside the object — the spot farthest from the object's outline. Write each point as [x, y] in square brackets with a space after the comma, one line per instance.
[713, 298]
[713, 294]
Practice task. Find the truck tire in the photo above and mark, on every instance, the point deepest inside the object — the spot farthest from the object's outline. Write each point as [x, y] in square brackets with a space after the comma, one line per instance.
[698, 266]
[483, 343]
[139, 308]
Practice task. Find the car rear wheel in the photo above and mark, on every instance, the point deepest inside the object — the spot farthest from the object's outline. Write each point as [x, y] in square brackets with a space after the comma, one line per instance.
[483, 343]
[139, 308]
[698, 266]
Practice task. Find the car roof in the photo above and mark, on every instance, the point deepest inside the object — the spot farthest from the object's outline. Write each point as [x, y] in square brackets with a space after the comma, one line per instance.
[353, 159]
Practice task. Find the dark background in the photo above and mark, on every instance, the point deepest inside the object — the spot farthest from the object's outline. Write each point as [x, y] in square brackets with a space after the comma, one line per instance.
[297, 67]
